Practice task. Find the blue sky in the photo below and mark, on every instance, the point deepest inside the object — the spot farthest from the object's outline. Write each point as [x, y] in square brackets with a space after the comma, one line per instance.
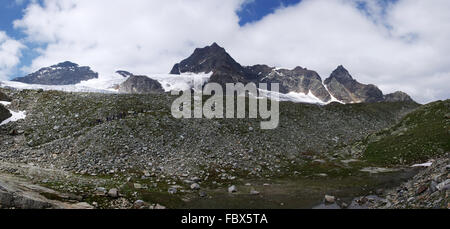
[257, 9]
[394, 44]
[9, 12]
[253, 11]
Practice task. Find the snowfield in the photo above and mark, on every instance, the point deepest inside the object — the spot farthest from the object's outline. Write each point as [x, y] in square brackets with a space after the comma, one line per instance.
[169, 82]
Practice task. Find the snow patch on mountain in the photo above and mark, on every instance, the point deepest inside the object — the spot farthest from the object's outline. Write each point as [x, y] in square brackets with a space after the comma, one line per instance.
[15, 117]
[169, 82]
[4, 103]
[182, 82]
[292, 97]
[66, 88]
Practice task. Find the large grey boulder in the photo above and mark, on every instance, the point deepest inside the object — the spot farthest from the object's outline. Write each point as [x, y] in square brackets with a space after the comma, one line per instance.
[140, 85]
[4, 113]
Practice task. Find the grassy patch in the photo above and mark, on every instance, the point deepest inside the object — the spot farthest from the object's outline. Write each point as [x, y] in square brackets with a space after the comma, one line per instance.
[421, 135]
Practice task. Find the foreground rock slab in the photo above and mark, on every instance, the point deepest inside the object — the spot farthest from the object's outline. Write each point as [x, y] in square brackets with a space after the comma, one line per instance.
[18, 193]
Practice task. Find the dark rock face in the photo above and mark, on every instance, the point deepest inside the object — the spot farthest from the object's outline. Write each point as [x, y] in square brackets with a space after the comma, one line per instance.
[4, 97]
[300, 80]
[140, 85]
[346, 89]
[65, 73]
[398, 97]
[226, 70]
[124, 73]
[212, 59]
[4, 113]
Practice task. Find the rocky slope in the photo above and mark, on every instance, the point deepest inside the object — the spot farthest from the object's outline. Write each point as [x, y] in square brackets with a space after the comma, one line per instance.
[430, 189]
[140, 85]
[113, 146]
[423, 134]
[97, 133]
[65, 73]
[340, 84]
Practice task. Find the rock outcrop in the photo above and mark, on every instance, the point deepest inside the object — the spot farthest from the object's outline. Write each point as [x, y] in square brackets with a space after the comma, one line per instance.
[4, 97]
[4, 113]
[300, 80]
[343, 87]
[124, 73]
[65, 73]
[140, 85]
[398, 97]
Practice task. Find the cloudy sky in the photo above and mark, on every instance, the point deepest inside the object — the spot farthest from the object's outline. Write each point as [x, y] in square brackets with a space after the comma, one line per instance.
[395, 44]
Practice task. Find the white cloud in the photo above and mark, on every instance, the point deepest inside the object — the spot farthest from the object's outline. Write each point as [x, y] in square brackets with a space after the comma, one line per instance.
[10, 52]
[401, 46]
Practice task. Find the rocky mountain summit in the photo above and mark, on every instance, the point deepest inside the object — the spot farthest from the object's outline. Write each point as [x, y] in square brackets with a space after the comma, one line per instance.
[65, 73]
[213, 59]
[340, 84]
[137, 84]
[346, 89]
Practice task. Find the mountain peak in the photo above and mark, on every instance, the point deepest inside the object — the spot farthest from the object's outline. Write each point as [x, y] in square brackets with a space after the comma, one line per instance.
[66, 64]
[64, 73]
[207, 59]
[215, 45]
[341, 73]
[342, 86]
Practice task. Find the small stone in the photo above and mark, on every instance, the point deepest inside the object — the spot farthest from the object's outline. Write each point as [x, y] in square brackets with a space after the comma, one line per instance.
[422, 189]
[232, 189]
[137, 186]
[202, 194]
[330, 199]
[433, 186]
[159, 207]
[139, 204]
[254, 192]
[195, 186]
[101, 189]
[172, 190]
[114, 193]
[379, 192]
